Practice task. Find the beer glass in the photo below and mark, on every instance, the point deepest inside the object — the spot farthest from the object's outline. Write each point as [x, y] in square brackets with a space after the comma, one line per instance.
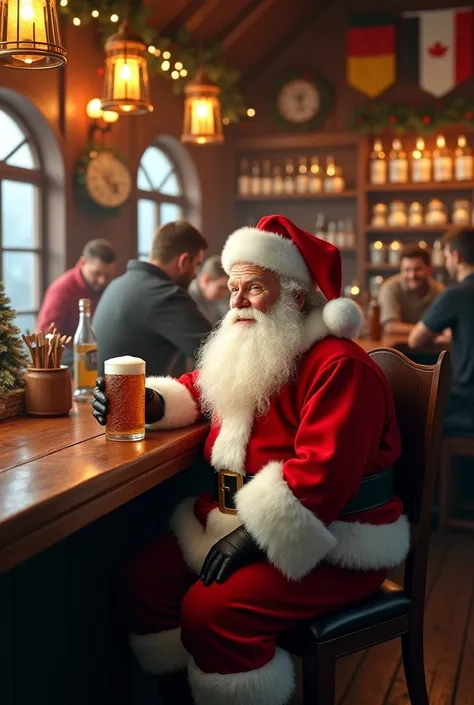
[125, 388]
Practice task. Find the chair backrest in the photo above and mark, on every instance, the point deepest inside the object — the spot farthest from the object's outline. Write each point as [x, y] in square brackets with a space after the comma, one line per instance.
[420, 393]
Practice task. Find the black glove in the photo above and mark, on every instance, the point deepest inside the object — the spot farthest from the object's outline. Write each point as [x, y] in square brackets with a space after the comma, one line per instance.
[154, 404]
[227, 555]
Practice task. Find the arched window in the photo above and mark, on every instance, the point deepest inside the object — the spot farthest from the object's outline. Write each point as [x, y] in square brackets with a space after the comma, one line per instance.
[160, 195]
[21, 222]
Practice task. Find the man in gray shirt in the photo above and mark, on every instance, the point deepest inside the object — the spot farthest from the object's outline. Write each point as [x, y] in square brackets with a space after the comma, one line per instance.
[147, 312]
[209, 290]
[405, 297]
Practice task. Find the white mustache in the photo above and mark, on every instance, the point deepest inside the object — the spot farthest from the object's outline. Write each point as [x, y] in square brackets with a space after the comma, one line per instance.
[244, 314]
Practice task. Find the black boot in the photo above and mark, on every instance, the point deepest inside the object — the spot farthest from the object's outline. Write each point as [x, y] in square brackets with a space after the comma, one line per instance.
[174, 689]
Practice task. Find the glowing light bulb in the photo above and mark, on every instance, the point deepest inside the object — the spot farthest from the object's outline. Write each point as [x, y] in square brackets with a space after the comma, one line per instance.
[114, 18]
[151, 49]
[93, 109]
[378, 245]
[175, 74]
[355, 290]
[125, 72]
[76, 21]
[225, 121]
[63, 3]
[27, 13]
[183, 72]
[178, 65]
[95, 13]
[251, 112]
[109, 116]
[28, 61]
[165, 65]
[202, 109]
[166, 55]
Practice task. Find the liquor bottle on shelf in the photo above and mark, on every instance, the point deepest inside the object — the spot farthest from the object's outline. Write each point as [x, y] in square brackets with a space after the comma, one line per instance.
[85, 354]
[243, 182]
[421, 163]
[341, 237]
[375, 327]
[350, 234]
[266, 180]
[442, 161]
[378, 164]
[289, 178]
[320, 228]
[333, 181]
[277, 180]
[302, 176]
[463, 161]
[331, 235]
[255, 181]
[315, 180]
[397, 163]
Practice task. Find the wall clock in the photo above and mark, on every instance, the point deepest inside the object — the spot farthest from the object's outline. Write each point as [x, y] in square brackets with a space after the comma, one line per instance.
[107, 180]
[301, 100]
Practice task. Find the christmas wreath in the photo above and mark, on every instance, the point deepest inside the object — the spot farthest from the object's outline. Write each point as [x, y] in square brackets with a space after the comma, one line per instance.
[165, 53]
[398, 117]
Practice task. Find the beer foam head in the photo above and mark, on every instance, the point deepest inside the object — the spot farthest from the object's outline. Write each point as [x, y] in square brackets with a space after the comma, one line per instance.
[125, 365]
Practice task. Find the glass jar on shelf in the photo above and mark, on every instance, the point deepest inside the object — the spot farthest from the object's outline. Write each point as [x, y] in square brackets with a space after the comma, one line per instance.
[436, 213]
[461, 212]
[266, 181]
[379, 215]
[463, 161]
[350, 234]
[289, 178]
[277, 180]
[437, 254]
[320, 227]
[341, 241]
[421, 163]
[333, 181]
[397, 214]
[377, 252]
[374, 284]
[315, 181]
[302, 176]
[442, 161]
[331, 232]
[397, 163]
[255, 179]
[378, 164]
[243, 180]
[415, 214]
[394, 250]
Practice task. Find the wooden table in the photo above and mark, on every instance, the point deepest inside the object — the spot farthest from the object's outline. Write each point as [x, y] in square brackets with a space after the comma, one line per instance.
[58, 475]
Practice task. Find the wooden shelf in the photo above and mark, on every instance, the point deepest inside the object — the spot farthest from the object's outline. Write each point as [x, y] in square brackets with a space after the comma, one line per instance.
[385, 267]
[431, 186]
[412, 229]
[297, 196]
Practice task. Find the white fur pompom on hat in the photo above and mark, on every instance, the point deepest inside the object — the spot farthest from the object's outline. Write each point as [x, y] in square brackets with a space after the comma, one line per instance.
[342, 318]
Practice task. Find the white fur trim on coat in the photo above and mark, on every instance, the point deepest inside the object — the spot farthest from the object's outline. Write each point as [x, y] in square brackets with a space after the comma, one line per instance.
[369, 546]
[180, 408]
[268, 250]
[272, 684]
[160, 653]
[294, 539]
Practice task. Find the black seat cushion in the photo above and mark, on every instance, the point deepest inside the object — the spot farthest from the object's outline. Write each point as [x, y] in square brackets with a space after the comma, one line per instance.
[387, 603]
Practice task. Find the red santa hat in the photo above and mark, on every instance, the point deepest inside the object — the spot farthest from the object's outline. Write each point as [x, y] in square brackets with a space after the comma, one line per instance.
[276, 243]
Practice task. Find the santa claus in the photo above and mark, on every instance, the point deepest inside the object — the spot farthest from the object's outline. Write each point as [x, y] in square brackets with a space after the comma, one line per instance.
[302, 439]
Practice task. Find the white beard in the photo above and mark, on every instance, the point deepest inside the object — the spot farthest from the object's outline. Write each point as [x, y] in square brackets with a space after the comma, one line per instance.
[241, 365]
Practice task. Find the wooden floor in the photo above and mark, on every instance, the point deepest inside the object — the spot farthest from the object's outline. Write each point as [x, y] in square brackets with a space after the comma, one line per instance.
[375, 676]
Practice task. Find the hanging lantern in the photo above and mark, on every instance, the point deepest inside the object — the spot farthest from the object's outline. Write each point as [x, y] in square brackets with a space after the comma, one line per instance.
[202, 111]
[29, 35]
[126, 88]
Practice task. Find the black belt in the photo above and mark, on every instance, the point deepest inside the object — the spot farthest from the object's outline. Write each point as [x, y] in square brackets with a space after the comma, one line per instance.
[374, 491]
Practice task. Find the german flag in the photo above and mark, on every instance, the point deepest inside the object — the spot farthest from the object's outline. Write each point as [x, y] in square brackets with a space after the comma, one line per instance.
[371, 52]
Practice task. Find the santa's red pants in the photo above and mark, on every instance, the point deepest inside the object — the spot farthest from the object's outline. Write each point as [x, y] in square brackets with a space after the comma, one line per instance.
[228, 629]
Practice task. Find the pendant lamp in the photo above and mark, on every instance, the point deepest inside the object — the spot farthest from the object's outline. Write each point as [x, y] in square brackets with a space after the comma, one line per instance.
[202, 111]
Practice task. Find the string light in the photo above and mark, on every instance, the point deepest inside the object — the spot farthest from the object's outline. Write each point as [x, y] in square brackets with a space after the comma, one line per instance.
[225, 121]
[157, 52]
[76, 21]
[114, 18]
[178, 65]
[95, 13]
[166, 55]
[175, 74]
[251, 112]
[63, 3]
[151, 49]
[165, 65]
[183, 72]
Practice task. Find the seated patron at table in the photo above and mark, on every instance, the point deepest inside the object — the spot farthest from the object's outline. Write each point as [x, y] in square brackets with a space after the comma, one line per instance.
[454, 310]
[299, 416]
[406, 296]
[147, 312]
[209, 289]
[96, 267]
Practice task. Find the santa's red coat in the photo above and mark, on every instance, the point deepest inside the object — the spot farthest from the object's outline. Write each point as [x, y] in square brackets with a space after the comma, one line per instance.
[321, 435]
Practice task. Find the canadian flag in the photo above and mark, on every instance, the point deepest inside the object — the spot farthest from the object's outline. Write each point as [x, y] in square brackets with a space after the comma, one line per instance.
[437, 48]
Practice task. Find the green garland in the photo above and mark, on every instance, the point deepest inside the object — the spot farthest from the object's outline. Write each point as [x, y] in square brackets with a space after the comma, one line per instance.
[379, 117]
[180, 46]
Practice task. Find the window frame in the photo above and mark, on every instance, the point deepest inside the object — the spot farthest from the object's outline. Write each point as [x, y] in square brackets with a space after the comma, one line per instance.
[38, 178]
[156, 196]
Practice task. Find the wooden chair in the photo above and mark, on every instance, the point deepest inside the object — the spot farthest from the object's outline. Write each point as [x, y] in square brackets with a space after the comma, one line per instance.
[420, 393]
[452, 446]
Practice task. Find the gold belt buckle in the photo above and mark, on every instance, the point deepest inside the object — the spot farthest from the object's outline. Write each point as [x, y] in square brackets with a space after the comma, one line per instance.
[229, 484]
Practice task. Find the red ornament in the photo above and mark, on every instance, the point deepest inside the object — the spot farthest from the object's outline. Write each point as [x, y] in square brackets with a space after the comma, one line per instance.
[468, 116]
[392, 119]
[101, 71]
[426, 119]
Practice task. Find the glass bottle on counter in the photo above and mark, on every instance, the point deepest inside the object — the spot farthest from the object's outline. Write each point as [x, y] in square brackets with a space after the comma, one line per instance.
[463, 161]
[243, 181]
[397, 163]
[378, 164]
[442, 161]
[315, 180]
[421, 163]
[302, 176]
[289, 178]
[85, 354]
[266, 180]
[255, 179]
[277, 180]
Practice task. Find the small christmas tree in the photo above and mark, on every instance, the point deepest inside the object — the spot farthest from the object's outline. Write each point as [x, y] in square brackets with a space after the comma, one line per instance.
[12, 355]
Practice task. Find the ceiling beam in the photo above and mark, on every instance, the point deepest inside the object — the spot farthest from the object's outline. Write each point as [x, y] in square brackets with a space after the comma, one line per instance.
[190, 17]
[198, 17]
[243, 21]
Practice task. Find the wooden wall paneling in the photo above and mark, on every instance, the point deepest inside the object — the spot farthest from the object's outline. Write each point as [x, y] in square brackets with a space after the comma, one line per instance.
[7, 640]
[42, 628]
